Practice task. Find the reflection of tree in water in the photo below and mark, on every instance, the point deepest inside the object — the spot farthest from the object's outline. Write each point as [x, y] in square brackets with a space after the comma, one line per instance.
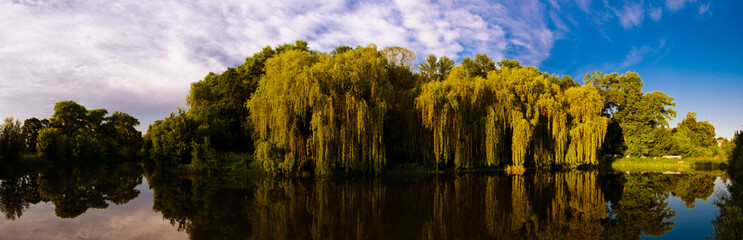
[691, 187]
[729, 222]
[564, 205]
[17, 194]
[204, 207]
[73, 190]
[444, 206]
[323, 209]
[642, 206]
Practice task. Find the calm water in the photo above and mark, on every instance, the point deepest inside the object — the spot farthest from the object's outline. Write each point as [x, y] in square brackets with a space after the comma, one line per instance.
[124, 202]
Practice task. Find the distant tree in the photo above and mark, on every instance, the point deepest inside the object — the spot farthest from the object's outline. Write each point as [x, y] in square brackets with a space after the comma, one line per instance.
[78, 135]
[54, 145]
[435, 70]
[340, 49]
[126, 139]
[171, 138]
[69, 117]
[399, 57]
[695, 139]
[12, 141]
[478, 67]
[31, 129]
[637, 114]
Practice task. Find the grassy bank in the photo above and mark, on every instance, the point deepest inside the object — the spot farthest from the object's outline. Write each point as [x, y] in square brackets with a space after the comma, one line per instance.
[668, 165]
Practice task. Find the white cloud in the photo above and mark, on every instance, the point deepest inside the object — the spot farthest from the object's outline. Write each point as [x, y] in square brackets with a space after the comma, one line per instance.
[655, 13]
[635, 56]
[584, 5]
[675, 5]
[140, 56]
[630, 15]
[703, 8]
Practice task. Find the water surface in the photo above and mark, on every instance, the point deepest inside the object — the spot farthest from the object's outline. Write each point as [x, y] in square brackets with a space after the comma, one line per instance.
[125, 202]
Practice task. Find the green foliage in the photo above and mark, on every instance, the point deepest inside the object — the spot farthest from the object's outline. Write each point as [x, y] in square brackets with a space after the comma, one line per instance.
[695, 139]
[170, 139]
[350, 109]
[31, 129]
[638, 118]
[69, 117]
[515, 111]
[204, 157]
[316, 111]
[12, 140]
[217, 112]
[54, 145]
[435, 70]
[75, 134]
[218, 102]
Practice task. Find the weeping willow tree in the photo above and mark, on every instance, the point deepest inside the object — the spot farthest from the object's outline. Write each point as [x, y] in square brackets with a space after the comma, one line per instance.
[510, 115]
[322, 112]
[587, 129]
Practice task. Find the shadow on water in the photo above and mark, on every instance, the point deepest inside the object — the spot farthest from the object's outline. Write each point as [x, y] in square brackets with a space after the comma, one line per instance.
[565, 205]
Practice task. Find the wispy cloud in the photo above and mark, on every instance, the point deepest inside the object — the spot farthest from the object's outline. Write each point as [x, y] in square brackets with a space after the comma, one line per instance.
[140, 56]
[584, 5]
[655, 13]
[638, 54]
[630, 15]
[675, 5]
[703, 8]
[635, 56]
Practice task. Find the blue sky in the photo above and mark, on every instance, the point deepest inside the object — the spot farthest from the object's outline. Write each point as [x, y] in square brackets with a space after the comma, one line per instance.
[141, 56]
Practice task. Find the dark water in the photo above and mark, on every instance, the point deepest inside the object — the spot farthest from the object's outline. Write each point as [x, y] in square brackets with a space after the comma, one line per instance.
[125, 202]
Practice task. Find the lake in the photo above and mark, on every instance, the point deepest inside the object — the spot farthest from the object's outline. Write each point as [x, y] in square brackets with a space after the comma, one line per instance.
[127, 202]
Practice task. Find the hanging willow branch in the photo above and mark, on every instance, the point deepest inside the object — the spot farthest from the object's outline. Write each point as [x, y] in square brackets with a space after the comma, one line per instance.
[515, 111]
[313, 110]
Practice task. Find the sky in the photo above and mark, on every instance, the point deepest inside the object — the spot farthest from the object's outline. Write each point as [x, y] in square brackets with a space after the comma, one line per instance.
[140, 57]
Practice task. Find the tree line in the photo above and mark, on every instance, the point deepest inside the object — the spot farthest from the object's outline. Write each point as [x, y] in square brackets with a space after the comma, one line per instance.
[72, 135]
[292, 109]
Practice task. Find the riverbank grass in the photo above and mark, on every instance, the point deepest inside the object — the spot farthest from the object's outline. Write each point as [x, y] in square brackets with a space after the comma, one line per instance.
[668, 165]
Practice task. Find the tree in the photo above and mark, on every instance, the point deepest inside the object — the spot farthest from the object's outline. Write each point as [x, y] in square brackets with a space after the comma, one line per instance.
[12, 141]
[171, 139]
[399, 57]
[516, 113]
[435, 70]
[478, 67]
[637, 114]
[125, 138]
[217, 102]
[31, 129]
[316, 111]
[75, 134]
[695, 139]
[69, 117]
